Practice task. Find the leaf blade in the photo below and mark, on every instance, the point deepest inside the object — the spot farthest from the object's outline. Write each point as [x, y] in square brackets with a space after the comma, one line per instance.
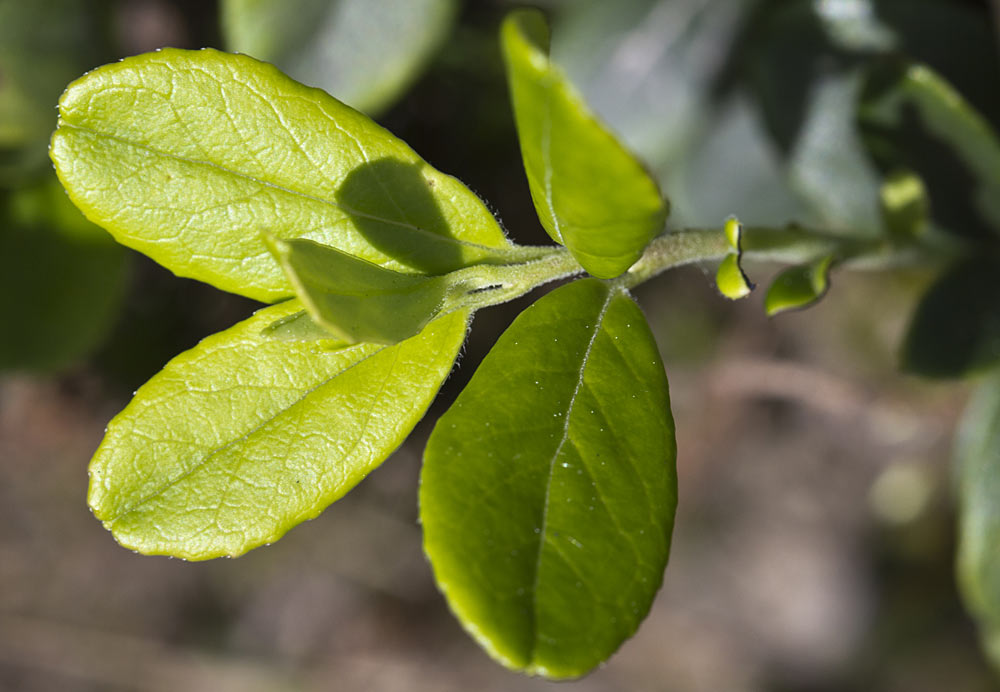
[287, 426]
[547, 516]
[219, 148]
[590, 193]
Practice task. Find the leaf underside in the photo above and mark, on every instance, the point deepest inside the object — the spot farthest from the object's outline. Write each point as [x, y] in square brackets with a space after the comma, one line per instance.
[548, 489]
[244, 436]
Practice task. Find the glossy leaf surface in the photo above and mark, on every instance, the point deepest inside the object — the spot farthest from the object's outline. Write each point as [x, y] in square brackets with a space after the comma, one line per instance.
[364, 52]
[549, 487]
[356, 300]
[62, 279]
[977, 455]
[189, 156]
[798, 287]
[956, 328]
[590, 194]
[241, 438]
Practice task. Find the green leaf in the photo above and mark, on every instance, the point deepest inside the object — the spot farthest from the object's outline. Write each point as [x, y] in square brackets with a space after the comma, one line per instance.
[62, 280]
[188, 156]
[912, 118]
[364, 52]
[905, 204]
[956, 328]
[355, 300]
[730, 279]
[549, 487]
[798, 287]
[977, 458]
[590, 194]
[243, 437]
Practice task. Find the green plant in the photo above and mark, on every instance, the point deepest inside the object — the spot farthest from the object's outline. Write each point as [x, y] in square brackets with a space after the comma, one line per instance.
[548, 489]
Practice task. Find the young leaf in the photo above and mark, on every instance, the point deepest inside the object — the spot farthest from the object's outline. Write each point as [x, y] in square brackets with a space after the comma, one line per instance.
[548, 489]
[364, 52]
[590, 194]
[188, 156]
[904, 204]
[356, 300]
[977, 457]
[798, 287]
[912, 117]
[730, 279]
[62, 279]
[241, 438]
[956, 328]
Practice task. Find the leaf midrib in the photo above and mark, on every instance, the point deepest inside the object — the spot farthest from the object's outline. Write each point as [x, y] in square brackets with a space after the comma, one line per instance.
[63, 124]
[533, 649]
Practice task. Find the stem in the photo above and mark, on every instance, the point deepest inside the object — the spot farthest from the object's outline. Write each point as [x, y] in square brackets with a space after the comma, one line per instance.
[483, 285]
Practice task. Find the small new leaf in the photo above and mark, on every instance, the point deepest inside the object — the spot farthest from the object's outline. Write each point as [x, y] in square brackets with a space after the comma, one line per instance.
[904, 204]
[798, 287]
[243, 437]
[189, 156]
[590, 193]
[548, 489]
[730, 279]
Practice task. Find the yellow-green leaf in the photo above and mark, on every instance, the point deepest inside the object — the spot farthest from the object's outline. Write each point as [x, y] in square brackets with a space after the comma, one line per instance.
[188, 156]
[241, 438]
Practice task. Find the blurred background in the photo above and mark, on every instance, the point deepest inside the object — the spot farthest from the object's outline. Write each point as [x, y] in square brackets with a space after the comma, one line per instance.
[814, 543]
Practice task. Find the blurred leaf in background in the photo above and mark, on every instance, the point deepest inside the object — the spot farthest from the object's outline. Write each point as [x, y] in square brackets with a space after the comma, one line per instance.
[364, 52]
[62, 278]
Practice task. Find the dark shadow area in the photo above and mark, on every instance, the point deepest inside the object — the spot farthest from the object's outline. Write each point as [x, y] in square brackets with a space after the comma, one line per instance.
[390, 203]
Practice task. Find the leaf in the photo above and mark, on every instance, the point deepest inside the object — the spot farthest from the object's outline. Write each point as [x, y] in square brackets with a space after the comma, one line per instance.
[188, 156]
[912, 118]
[730, 279]
[590, 194]
[62, 280]
[956, 328]
[364, 52]
[355, 300]
[977, 458]
[548, 489]
[905, 204]
[243, 437]
[798, 287]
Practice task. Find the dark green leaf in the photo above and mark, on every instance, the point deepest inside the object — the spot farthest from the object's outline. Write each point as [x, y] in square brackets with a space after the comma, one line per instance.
[364, 52]
[243, 437]
[956, 328]
[590, 194]
[548, 489]
[912, 118]
[62, 279]
[189, 156]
